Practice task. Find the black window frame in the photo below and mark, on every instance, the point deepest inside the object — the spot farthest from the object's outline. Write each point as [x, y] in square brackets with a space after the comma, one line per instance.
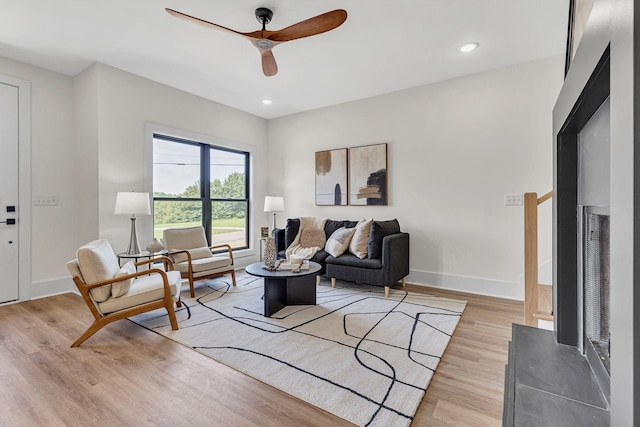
[205, 185]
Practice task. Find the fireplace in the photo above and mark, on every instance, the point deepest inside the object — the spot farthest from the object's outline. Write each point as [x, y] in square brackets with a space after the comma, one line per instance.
[581, 229]
[594, 276]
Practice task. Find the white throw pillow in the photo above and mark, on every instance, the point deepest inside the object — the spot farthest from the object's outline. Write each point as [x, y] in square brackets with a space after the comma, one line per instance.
[339, 241]
[359, 245]
[120, 288]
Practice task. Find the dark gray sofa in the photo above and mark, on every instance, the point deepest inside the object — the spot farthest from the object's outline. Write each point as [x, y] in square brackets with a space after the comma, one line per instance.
[387, 263]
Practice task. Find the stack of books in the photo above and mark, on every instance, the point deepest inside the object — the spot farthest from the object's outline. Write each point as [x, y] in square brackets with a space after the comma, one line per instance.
[288, 265]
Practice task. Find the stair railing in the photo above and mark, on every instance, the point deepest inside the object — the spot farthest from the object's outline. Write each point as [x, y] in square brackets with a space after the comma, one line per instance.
[531, 284]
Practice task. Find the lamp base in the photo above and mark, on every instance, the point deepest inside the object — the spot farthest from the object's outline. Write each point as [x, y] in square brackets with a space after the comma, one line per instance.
[274, 221]
[134, 246]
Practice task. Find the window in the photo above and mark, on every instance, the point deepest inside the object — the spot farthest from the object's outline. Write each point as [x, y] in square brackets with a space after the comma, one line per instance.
[200, 184]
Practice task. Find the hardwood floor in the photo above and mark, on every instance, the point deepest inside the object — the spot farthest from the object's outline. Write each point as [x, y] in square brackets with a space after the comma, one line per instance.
[127, 375]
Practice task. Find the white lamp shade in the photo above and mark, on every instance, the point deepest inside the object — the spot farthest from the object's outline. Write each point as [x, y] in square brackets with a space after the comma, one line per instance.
[132, 203]
[273, 204]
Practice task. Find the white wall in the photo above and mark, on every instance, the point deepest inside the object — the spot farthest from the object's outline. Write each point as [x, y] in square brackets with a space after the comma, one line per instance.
[456, 148]
[88, 142]
[54, 158]
[127, 104]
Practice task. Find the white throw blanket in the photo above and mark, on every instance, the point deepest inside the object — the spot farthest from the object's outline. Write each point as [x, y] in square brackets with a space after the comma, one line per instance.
[306, 222]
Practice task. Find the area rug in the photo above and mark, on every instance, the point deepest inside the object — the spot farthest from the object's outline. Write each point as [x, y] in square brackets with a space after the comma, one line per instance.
[361, 356]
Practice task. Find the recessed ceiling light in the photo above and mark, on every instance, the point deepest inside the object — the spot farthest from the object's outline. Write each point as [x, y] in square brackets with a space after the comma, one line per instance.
[468, 47]
[267, 101]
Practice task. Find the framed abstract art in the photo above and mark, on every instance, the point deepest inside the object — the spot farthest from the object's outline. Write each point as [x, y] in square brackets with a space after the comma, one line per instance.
[368, 175]
[331, 177]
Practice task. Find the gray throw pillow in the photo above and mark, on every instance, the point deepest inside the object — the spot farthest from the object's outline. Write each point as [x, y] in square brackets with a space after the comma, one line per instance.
[380, 229]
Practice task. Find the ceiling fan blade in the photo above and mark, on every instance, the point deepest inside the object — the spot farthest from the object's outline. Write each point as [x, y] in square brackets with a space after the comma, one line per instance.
[269, 66]
[310, 27]
[202, 22]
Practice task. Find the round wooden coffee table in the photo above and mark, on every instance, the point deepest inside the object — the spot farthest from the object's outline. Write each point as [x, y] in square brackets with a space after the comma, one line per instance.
[284, 287]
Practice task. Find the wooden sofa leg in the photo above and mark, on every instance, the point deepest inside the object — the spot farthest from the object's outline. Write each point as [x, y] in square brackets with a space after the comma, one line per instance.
[318, 280]
[386, 292]
[404, 282]
[333, 282]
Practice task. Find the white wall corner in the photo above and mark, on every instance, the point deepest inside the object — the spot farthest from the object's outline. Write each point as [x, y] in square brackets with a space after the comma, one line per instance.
[474, 285]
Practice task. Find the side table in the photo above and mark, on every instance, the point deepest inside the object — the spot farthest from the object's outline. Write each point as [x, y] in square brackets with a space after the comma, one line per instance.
[136, 257]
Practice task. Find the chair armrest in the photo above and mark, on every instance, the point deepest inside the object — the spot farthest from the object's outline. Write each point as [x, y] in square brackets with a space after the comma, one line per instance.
[221, 246]
[395, 257]
[182, 251]
[168, 264]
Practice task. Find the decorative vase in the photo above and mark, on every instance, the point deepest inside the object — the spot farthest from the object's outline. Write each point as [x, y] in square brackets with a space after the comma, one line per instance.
[270, 252]
[155, 246]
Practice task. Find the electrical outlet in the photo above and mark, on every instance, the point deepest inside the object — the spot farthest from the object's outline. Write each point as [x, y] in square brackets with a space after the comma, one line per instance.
[45, 200]
[513, 200]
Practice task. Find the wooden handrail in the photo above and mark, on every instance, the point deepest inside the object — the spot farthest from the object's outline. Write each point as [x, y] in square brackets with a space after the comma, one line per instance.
[531, 202]
[544, 198]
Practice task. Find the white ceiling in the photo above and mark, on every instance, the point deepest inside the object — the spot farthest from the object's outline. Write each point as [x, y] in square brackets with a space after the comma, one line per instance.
[384, 46]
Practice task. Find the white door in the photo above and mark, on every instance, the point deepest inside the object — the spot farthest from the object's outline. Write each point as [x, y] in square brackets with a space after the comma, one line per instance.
[9, 209]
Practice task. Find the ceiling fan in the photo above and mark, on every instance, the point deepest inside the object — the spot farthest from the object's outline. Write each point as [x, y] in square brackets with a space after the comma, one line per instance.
[265, 40]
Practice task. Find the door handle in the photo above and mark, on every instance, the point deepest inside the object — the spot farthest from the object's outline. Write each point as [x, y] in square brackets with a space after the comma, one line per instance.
[9, 221]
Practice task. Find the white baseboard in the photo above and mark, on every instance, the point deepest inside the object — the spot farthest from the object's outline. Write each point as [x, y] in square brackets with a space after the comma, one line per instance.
[47, 288]
[474, 285]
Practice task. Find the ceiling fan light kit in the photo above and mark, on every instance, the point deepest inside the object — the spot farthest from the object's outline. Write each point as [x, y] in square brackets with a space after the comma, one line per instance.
[265, 40]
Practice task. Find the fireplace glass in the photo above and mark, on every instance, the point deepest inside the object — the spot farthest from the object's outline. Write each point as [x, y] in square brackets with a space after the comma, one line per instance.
[596, 283]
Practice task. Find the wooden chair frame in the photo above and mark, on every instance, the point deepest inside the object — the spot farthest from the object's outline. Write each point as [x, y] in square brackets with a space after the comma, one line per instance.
[189, 273]
[101, 320]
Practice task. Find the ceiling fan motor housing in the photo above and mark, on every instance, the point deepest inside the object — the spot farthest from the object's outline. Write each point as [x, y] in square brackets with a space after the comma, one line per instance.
[264, 15]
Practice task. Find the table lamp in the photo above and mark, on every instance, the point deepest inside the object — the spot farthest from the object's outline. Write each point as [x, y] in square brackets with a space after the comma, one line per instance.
[274, 204]
[132, 203]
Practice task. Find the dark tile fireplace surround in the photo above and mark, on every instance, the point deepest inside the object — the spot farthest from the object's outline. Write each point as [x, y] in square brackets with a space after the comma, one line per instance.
[561, 377]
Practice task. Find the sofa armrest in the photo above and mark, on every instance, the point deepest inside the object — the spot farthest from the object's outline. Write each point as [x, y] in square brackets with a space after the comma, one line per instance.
[278, 236]
[395, 257]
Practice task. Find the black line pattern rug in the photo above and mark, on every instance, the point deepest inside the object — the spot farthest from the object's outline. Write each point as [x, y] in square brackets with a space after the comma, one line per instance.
[359, 355]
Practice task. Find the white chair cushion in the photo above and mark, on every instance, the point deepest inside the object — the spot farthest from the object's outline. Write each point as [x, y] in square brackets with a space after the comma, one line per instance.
[143, 289]
[203, 264]
[120, 288]
[183, 238]
[98, 262]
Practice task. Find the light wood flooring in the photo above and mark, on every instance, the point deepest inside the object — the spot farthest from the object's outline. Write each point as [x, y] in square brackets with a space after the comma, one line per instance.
[127, 375]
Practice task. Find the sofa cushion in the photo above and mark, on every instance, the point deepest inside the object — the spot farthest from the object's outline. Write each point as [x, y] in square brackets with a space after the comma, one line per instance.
[339, 241]
[359, 244]
[120, 288]
[353, 261]
[380, 229]
[320, 257]
[98, 262]
[291, 231]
